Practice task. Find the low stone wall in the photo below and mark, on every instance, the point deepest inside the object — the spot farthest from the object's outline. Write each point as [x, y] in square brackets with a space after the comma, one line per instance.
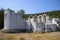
[51, 28]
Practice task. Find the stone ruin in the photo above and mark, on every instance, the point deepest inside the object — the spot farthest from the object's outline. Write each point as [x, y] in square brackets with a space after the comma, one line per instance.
[13, 22]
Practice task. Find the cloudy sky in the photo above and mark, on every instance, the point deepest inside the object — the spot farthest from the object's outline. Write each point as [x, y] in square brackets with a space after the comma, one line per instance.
[31, 6]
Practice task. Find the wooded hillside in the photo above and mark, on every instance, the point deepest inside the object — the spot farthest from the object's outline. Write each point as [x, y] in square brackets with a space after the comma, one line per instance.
[53, 14]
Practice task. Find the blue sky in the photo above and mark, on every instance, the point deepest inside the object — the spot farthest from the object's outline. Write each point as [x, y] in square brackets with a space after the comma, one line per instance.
[31, 6]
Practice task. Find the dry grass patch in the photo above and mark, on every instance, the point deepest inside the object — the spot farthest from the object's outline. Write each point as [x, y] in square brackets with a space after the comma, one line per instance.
[30, 36]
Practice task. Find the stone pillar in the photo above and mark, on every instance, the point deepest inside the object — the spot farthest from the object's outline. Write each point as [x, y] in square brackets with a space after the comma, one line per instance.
[33, 24]
[29, 26]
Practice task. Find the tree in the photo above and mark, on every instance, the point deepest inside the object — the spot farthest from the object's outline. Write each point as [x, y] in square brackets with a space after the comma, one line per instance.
[21, 11]
[1, 18]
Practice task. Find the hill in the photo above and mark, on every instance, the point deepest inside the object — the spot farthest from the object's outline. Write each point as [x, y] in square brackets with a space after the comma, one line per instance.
[53, 14]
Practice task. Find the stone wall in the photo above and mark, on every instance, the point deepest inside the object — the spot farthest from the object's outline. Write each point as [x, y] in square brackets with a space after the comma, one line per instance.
[42, 23]
[13, 21]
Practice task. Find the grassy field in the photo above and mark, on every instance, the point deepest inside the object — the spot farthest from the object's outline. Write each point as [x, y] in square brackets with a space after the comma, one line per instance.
[30, 36]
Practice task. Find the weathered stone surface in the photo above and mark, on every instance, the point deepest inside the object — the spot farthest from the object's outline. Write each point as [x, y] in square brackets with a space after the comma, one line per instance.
[40, 27]
[13, 20]
[50, 28]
